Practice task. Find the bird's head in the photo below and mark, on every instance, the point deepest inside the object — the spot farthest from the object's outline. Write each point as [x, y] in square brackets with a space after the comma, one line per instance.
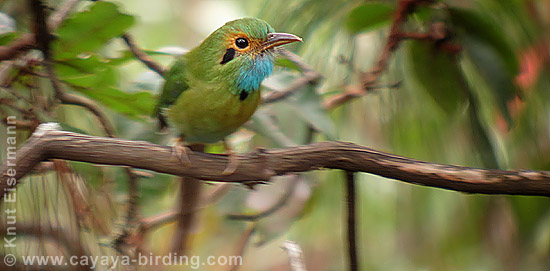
[242, 50]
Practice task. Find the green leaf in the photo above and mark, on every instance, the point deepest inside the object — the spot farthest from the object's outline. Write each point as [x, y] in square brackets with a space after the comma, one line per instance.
[369, 16]
[480, 138]
[135, 105]
[87, 72]
[7, 29]
[439, 74]
[127, 56]
[6, 38]
[90, 30]
[425, 14]
[285, 63]
[70, 128]
[479, 27]
[84, 64]
[494, 71]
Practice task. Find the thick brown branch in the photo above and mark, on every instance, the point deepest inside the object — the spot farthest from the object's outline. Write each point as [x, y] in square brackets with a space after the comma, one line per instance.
[49, 143]
[190, 193]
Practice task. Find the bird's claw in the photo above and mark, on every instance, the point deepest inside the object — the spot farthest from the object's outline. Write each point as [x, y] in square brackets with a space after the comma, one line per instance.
[232, 165]
[182, 154]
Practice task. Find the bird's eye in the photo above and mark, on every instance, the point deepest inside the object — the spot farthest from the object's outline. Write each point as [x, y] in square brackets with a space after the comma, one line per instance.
[241, 43]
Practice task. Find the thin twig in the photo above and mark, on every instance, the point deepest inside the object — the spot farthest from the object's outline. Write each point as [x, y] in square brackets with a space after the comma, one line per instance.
[17, 47]
[54, 22]
[90, 105]
[296, 59]
[149, 223]
[309, 76]
[351, 220]
[133, 196]
[41, 32]
[11, 104]
[16, 94]
[278, 205]
[22, 124]
[369, 79]
[28, 41]
[143, 57]
[277, 95]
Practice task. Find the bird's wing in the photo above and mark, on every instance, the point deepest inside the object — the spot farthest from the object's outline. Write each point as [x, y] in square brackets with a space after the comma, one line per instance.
[176, 83]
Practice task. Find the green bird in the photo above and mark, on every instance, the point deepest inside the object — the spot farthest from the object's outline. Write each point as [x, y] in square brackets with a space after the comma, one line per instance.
[215, 88]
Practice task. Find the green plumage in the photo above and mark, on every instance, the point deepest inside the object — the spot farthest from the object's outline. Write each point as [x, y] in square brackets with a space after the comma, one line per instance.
[212, 90]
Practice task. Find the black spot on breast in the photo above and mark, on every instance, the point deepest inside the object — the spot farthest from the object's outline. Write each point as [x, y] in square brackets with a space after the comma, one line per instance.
[243, 95]
[229, 55]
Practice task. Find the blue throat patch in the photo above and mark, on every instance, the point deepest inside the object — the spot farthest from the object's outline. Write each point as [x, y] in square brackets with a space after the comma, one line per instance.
[253, 74]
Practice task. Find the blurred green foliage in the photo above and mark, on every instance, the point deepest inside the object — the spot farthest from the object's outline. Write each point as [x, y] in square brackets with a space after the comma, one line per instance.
[486, 106]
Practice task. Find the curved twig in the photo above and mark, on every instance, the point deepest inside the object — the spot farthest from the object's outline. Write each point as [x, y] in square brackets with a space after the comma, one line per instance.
[141, 56]
[309, 76]
[277, 206]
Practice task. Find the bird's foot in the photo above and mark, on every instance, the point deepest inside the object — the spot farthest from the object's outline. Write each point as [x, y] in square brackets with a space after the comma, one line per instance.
[233, 163]
[181, 152]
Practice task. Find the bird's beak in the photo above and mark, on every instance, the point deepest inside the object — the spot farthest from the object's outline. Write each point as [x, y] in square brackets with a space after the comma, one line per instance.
[278, 39]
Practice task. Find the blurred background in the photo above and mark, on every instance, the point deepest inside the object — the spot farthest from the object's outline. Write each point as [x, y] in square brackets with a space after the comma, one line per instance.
[485, 102]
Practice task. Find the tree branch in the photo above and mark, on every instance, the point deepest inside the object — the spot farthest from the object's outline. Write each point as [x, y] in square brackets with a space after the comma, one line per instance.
[351, 220]
[141, 56]
[309, 76]
[370, 79]
[21, 45]
[281, 202]
[28, 41]
[189, 200]
[50, 143]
